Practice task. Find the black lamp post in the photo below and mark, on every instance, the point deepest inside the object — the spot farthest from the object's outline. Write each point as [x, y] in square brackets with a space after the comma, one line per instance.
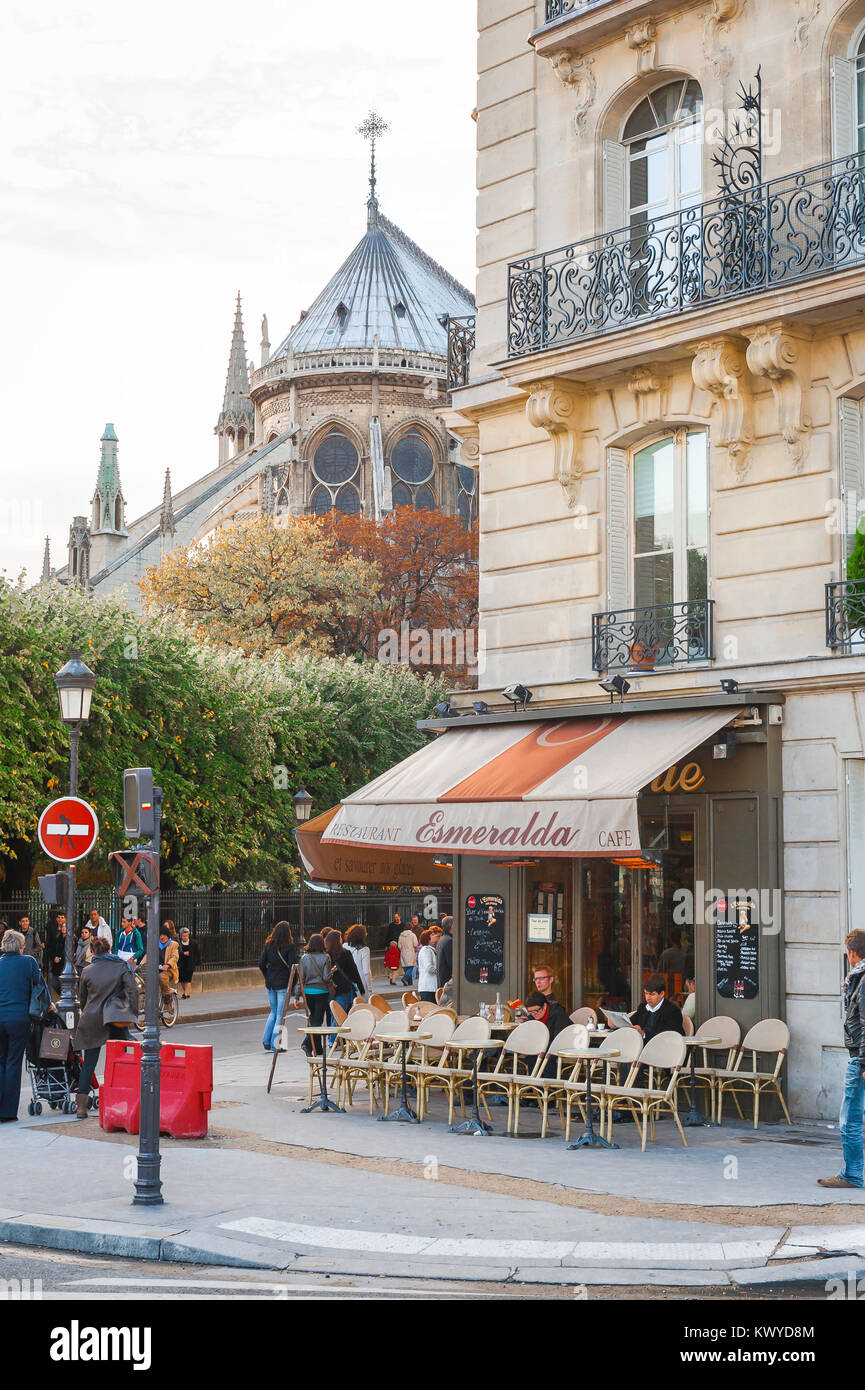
[75, 684]
[302, 802]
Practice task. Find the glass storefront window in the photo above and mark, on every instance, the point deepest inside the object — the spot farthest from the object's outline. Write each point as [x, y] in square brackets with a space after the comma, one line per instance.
[607, 907]
[667, 945]
[549, 893]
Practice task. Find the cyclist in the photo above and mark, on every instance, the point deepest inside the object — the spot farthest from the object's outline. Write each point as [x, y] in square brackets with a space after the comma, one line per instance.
[168, 957]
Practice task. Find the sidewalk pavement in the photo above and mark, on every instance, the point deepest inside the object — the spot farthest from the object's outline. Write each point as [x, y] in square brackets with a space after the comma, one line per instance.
[737, 1209]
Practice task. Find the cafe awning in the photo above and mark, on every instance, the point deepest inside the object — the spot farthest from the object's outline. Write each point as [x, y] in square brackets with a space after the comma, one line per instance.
[566, 787]
[366, 863]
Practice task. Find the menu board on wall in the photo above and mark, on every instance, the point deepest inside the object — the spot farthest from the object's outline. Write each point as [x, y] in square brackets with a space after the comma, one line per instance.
[737, 952]
[485, 938]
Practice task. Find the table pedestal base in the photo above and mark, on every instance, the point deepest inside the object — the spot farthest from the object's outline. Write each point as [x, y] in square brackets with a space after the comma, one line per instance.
[695, 1118]
[405, 1112]
[323, 1103]
[476, 1126]
[591, 1140]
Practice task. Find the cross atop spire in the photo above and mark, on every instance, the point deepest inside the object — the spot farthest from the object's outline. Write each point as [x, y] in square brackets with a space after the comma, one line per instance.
[372, 129]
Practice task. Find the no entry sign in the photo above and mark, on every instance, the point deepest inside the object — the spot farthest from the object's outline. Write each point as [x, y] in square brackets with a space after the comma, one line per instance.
[68, 829]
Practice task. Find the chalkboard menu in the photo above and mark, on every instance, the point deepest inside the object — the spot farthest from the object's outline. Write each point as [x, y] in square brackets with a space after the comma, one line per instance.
[485, 939]
[737, 952]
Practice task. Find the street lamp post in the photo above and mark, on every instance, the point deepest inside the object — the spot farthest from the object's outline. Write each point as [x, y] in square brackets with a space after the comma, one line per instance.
[75, 684]
[302, 802]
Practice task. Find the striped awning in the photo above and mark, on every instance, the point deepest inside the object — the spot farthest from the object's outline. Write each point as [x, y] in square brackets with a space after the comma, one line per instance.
[566, 787]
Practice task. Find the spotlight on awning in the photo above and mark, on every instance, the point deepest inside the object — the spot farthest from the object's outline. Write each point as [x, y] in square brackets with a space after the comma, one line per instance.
[480, 706]
[729, 687]
[616, 685]
[724, 746]
[518, 695]
[446, 710]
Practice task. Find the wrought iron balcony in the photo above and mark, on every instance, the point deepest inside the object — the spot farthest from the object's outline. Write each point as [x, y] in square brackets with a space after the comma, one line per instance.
[845, 615]
[774, 234]
[556, 8]
[642, 639]
[461, 341]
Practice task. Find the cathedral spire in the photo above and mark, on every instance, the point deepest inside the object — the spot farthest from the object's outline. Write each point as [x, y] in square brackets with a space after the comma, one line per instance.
[109, 505]
[46, 562]
[235, 425]
[167, 526]
[372, 129]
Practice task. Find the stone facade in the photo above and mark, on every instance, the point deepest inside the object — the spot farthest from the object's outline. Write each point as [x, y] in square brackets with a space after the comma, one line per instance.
[774, 378]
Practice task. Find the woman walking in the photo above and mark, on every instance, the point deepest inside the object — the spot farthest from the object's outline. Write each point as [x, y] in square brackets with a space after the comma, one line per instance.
[345, 979]
[427, 964]
[355, 940]
[109, 1005]
[275, 962]
[18, 975]
[316, 969]
[84, 949]
[190, 959]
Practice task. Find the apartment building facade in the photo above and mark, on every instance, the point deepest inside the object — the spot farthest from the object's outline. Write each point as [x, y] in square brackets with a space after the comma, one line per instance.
[665, 404]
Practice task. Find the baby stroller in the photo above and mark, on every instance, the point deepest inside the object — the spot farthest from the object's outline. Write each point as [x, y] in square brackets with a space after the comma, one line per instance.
[54, 1068]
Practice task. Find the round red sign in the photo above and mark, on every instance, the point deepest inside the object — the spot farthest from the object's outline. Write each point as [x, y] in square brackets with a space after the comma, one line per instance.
[471, 901]
[68, 829]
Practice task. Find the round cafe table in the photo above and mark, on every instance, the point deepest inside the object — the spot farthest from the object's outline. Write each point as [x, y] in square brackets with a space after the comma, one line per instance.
[695, 1116]
[324, 1102]
[405, 1111]
[589, 1140]
[476, 1125]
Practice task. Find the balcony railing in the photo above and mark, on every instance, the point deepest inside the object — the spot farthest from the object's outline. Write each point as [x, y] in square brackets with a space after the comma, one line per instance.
[642, 639]
[795, 228]
[556, 8]
[845, 615]
[461, 341]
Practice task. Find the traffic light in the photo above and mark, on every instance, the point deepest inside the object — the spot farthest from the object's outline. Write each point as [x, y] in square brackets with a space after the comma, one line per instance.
[54, 889]
[138, 818]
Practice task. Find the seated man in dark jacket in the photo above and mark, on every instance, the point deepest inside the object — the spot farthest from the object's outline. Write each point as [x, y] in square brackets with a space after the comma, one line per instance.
[554, 1015]
[657, 1013]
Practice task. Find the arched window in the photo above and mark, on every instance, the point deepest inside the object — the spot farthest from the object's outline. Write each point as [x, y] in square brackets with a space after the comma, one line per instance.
[413, 466]
[281, 507]
[664, 152]
[467, 479]
[335, 475]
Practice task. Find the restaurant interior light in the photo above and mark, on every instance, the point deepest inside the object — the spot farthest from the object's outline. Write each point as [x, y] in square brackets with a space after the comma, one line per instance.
[518, 695]
[729, 687]
[480, 706]
[725, 745]
[514, 863]
[616, 685]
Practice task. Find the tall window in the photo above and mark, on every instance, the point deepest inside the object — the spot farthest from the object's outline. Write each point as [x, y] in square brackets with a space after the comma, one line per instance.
[466, 500]
[664, 152]
[413, 465]
[860, 95]
[335, 470]
[671, 520]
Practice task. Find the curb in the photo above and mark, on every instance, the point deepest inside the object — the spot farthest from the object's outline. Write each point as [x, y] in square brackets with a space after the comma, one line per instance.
[220, 1015]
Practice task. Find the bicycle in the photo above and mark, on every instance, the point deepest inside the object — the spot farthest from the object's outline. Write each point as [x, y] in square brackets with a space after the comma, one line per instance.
[169, 1005]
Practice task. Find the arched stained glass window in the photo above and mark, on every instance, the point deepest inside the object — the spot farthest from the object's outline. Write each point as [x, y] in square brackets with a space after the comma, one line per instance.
[336, 459]
[411, 458]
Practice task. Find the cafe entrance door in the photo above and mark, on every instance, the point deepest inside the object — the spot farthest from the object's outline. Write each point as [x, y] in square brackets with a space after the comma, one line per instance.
[549, 893]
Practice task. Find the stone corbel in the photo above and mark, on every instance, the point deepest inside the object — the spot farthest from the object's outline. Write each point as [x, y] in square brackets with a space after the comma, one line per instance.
[577, 72]
[558, 407]
[720, 368]
[469, 455]
[784, 359]
[643, 39]
[650, 395]
[722, 13]
[802, 27]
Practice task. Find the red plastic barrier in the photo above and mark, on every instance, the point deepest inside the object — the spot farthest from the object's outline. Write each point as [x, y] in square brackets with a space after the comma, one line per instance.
[186, 1089]
[120, 1092]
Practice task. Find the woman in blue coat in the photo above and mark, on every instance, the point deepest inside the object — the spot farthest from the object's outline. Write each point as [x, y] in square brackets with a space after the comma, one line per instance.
[18, 975]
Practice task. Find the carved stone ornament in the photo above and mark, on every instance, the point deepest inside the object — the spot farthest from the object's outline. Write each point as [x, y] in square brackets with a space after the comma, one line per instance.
[802, 27]
[577, 72]
[469, 452]
[643, 39]
[558, 407]
[720, 368]
[722, 13]
[650, 395]
[784, 360]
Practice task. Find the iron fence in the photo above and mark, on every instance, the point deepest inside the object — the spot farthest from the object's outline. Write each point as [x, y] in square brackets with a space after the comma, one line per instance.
[230, 927]
[461, 342]
[641, 639]
[790, 229]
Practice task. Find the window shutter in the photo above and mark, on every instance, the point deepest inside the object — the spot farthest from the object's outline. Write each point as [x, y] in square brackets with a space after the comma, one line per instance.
[852, 469]
[842, 84]
[615, 197]
[618, 537]
[855, 778]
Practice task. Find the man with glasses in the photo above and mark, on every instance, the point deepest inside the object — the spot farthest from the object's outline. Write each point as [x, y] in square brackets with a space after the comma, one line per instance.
[543, 980]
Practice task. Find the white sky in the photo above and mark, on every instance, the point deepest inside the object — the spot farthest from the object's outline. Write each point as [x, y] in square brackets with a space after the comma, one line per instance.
[156, 160]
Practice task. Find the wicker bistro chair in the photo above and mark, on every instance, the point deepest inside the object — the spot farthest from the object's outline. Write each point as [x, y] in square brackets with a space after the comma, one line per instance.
[628, 1043]
[549, 1089]
[378, 1001]
[353, 1044]
[337, 1013]
[427, 1049]
[664, 1052]
[453, 1072]
[688, 1025]
[586, 1016]
[444, 1009]
[771, 1036]
[729, 1033]
[525, 1047]
[410, 996]
[368, 1066]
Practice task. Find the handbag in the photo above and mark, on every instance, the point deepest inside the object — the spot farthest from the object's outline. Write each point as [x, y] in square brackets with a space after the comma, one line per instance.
[54, 1045]
[40, 999]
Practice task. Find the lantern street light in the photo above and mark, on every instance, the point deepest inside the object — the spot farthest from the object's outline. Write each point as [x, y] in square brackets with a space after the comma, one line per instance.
[75, 684]
[302, 802]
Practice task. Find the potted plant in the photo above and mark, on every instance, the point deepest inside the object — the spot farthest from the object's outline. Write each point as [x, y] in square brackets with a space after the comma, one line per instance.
[854, 601]
[643, 656]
